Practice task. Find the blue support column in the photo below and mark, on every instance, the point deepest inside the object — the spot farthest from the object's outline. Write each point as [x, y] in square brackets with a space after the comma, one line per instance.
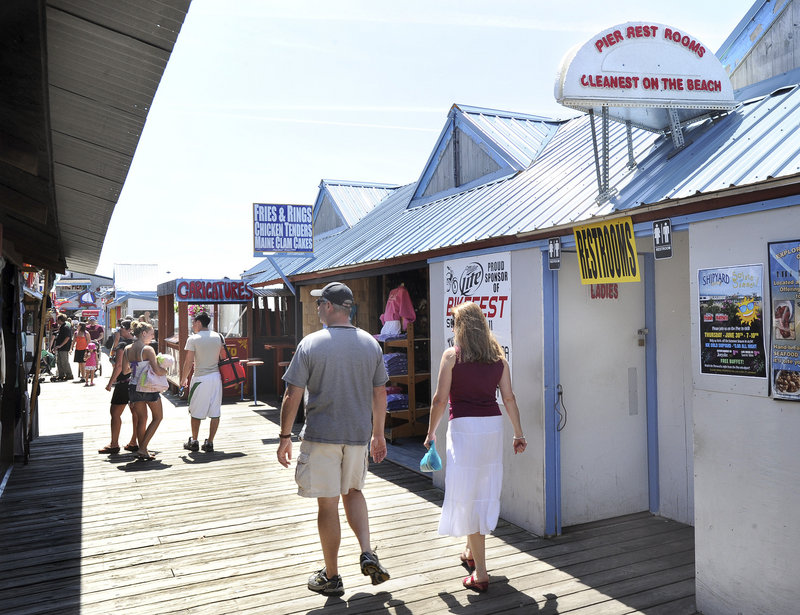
[552, 445]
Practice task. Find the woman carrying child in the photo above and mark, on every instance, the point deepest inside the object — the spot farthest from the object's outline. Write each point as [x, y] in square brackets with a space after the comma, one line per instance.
[136, 356]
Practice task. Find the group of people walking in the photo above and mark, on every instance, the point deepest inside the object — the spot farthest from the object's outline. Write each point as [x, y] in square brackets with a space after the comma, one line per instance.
[83, 340]
[341, 373]
[132, 353]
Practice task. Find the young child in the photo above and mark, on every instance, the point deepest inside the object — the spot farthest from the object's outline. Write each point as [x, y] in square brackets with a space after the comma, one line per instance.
[91, 364]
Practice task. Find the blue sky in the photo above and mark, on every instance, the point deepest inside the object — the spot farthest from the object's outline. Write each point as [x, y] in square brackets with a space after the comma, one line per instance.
[262, 99]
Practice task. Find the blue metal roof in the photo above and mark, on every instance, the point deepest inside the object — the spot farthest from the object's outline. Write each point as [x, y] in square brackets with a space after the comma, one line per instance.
[521, 136]
[511, 140]
[758, 140]
[353, 200]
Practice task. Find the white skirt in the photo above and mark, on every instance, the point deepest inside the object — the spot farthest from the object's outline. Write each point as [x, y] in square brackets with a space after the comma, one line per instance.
[474, 476]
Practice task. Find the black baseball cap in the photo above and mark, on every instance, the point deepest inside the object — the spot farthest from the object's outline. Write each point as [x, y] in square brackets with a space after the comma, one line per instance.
[335, 292]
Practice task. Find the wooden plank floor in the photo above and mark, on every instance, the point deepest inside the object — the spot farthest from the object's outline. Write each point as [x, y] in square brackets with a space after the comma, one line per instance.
[225, 533]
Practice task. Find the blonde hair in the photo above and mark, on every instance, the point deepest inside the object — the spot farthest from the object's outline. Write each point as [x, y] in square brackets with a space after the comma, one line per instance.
[475, 342]
[138, 327]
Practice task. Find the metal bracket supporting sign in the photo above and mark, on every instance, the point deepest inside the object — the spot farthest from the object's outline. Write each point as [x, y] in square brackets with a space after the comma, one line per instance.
[277, 267]
[675, 128]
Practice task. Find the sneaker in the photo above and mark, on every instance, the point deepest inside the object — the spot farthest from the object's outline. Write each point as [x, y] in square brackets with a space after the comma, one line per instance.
[208, 447]
[320, 583]
[371, 567]
[191, 445]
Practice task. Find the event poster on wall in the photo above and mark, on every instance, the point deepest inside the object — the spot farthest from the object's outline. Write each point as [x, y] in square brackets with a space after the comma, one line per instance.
[784, 286]
[485, 280]
[731, 321]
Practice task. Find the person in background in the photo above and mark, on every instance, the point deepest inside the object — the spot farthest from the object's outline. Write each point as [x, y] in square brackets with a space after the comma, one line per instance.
[134, 357]
[96, 332]
[470, 374]
[91, 364]
[120, 400]
[342, 368]
[61, 346]
[80, 341]
[204, 349]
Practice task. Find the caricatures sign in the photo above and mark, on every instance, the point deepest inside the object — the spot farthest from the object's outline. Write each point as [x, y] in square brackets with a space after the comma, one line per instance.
[486, 281]
[212, 291]
[784, 285]
[731, 321]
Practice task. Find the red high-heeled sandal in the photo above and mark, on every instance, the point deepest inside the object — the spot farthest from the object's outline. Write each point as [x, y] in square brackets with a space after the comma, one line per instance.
[467, 562]
[478, 586]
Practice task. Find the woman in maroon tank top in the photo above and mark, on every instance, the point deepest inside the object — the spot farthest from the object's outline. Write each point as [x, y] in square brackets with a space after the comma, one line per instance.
[469, 376]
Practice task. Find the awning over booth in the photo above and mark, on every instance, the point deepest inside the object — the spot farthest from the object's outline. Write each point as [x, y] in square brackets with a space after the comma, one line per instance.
[275, 290]
[146, 295]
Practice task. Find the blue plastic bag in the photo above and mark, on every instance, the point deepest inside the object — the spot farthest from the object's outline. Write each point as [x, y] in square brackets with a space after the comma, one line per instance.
[431, 462]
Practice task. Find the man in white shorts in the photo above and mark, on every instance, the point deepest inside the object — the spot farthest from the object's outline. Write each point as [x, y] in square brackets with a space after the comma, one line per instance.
[342, 368]
[204, 349]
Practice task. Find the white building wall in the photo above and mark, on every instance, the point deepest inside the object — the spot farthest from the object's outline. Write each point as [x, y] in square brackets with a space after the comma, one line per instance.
[675, 428]
[746, 459]
[522, 499]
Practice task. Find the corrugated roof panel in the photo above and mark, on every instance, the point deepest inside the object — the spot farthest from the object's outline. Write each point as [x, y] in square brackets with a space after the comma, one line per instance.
[355, 200]
[521, 136]
[753, 143]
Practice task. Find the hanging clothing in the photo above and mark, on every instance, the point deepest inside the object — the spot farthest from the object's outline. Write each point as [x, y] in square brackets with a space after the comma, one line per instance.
[399, 307]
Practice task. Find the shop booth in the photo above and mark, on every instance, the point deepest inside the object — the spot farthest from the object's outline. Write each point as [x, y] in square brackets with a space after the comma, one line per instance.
[228, 303]
[391, 304]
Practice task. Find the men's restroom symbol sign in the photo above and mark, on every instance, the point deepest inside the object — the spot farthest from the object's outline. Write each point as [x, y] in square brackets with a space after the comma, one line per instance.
[554, 253]
[662, 238]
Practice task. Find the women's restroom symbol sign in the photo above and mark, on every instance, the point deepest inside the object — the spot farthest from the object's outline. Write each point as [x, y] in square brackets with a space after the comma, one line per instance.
[662, 239]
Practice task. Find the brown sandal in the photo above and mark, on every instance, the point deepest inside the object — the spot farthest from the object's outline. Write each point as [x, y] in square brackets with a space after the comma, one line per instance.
[109, 450]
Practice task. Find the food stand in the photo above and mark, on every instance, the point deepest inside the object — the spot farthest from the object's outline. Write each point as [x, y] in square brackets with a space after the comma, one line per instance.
[183, 297]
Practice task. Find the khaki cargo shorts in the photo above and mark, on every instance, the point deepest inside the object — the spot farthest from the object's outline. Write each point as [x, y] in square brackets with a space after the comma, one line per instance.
[329, 470]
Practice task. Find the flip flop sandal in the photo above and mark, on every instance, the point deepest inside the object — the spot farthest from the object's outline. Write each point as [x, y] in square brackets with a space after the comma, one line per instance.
[131, 447]
[109, 450]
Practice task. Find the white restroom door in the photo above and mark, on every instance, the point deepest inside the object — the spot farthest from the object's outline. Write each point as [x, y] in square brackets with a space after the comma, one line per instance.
[602, 374]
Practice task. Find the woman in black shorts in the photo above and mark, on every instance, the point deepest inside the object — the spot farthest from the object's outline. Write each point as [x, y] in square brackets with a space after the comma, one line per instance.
[135, 355]
[119, 399]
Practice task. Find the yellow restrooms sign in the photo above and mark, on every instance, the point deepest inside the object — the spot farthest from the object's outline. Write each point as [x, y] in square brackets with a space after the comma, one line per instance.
[607, 252]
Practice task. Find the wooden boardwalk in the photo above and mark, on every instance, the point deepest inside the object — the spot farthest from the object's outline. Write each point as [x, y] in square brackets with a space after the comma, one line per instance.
[225, 533]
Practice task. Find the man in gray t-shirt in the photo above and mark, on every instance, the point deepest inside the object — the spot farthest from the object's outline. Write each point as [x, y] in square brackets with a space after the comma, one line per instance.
[204, 348]
[342, 369]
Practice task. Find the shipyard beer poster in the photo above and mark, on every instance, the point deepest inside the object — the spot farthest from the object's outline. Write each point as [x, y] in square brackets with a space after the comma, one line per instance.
[784, 286]
[486, 281]
[731, 321]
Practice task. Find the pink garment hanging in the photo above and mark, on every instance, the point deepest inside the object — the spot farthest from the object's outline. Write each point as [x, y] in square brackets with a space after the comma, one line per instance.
[399, 307]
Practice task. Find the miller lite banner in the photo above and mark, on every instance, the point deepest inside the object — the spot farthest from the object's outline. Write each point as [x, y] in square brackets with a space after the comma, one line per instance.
[486, 281]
